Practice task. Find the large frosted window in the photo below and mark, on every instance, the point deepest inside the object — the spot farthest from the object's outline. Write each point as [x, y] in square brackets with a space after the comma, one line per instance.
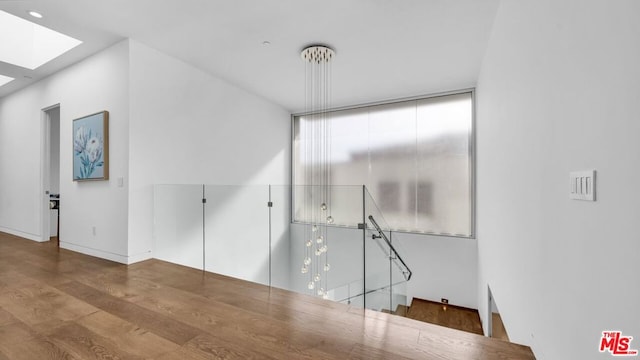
[415, 157]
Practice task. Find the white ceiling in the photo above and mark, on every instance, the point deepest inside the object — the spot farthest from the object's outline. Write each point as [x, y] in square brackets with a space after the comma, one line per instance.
[385, 49]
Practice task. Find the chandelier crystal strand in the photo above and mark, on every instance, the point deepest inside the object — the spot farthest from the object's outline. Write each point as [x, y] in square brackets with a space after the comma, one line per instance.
[326, 265]
[308, 174]
[317, 172]
[326, 159]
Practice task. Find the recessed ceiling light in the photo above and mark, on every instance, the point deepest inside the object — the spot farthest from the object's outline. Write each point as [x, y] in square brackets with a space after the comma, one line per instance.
[35, 14]
[266, 43]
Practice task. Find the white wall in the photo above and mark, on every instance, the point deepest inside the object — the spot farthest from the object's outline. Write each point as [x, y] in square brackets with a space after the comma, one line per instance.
[21, 197]
[188, 127]
[558, 92]
[443, 267]
[97, 83]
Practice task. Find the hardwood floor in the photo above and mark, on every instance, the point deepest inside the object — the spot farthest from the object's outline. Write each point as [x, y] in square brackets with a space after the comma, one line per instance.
[451, 316]
[57, 304]
[498, 330]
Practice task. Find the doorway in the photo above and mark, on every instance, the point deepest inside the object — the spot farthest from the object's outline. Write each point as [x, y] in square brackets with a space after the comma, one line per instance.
[51, 174]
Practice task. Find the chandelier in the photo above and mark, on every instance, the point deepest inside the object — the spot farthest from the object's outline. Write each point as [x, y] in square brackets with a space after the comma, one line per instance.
[317, 201]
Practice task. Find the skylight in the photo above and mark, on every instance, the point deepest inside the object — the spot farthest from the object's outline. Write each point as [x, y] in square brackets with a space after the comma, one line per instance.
[4, 79]
[30, 45]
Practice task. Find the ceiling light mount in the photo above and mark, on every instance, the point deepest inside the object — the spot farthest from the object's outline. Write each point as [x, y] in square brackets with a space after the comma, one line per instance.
[317, 54]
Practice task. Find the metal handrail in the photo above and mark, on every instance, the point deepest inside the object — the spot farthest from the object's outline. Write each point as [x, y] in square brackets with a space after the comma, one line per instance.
[407, 274]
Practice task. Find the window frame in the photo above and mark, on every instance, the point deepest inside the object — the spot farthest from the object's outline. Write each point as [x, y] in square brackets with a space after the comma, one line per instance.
[472, 155]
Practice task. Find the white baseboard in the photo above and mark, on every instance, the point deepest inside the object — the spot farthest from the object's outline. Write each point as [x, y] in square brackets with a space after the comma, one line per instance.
[123, 259]
[140, 257]
[119, 258]
[21, 234]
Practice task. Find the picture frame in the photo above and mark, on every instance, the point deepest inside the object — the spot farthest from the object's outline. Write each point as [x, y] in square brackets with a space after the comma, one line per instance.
[91, 147]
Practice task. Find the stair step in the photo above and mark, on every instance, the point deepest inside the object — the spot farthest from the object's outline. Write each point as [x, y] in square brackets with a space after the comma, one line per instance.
[402, 310]
[451, 316]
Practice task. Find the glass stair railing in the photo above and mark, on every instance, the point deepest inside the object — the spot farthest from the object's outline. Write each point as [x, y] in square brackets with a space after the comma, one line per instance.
[389, 298]
[258, 233]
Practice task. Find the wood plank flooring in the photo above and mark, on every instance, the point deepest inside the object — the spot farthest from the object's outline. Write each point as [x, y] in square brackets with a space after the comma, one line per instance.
[498, 330]
[57, 304]
[450, 316]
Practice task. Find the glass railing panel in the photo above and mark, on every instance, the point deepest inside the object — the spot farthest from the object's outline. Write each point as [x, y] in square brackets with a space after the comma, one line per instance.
[344, 256]
[377, 255]
[378, 300]
[377, 265]
[350, 293]
[248, 234]
[357, 301]
[237, 231]
[177, 224]
[391, 299]
[280, 236]
[385, 266]
[376, 222]
[399, 298]
[400, 256]
[399, 278]
[342, 238]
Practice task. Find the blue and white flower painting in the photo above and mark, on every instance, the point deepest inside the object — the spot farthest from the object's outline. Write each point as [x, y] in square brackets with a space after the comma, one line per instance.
[89, 147]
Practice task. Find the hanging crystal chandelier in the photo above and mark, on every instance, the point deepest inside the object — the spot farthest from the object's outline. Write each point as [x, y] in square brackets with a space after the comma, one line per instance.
[316, 265]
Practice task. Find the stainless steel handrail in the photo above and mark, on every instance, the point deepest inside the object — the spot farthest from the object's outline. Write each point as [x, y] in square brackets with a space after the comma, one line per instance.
[406, 273]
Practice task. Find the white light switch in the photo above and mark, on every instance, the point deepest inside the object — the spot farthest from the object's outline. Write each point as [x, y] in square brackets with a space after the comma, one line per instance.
[120, 182]
[582, 185]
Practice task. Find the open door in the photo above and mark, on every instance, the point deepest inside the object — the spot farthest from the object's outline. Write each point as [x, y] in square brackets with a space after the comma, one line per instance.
[51, 173]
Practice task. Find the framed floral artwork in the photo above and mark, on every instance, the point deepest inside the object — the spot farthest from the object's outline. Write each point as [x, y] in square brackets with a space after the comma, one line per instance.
[91, 147]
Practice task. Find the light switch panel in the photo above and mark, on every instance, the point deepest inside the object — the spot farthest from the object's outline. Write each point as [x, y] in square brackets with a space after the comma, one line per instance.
[582, 185]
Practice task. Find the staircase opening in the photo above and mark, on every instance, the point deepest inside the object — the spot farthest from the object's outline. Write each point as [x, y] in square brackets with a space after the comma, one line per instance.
[447, 315]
